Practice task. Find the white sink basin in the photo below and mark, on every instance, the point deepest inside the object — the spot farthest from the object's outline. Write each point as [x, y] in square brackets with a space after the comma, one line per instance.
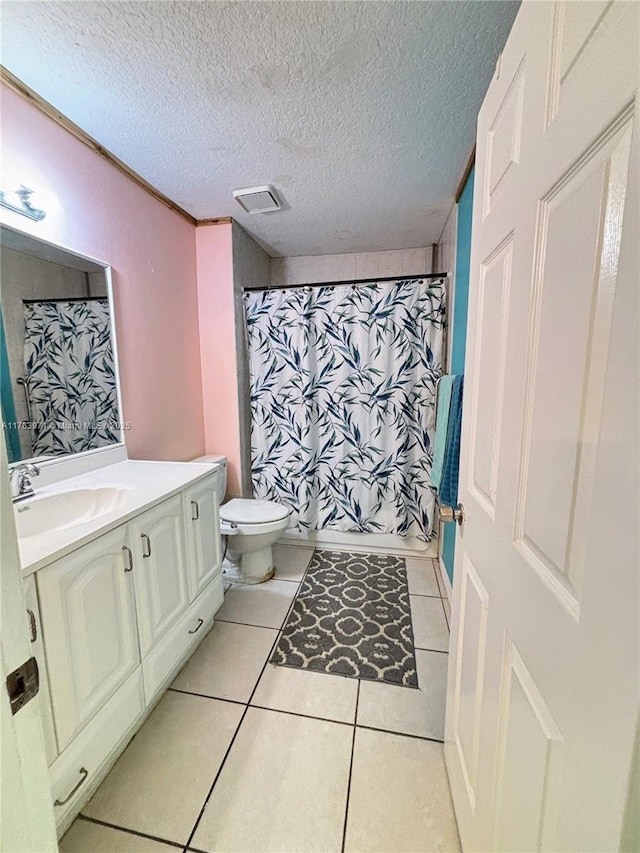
[59, 511]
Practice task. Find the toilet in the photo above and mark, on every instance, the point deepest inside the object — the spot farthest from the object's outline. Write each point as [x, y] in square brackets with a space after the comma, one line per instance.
[252, 527]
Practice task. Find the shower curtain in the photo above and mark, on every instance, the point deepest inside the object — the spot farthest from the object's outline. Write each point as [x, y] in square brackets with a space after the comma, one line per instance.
[69, 370]
[343, 402]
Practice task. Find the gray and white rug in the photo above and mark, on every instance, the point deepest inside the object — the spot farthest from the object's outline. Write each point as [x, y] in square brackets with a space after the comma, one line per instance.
[351, 617]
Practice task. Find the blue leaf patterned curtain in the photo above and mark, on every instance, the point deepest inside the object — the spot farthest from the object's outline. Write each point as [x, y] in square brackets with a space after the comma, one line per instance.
[343, 403]
[70, 375]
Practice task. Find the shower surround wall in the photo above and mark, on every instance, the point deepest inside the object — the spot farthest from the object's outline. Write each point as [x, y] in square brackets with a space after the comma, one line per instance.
[250, 264]
[307, 269]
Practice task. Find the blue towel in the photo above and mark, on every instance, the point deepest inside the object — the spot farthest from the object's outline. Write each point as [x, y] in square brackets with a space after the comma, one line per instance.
[449, 484]
[445, 386]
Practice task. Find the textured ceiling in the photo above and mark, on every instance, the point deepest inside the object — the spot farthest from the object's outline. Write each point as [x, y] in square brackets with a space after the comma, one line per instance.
[362, 114]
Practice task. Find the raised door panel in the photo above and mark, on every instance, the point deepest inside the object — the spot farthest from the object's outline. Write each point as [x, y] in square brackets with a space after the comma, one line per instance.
[577, 249]
[89, 626]
[486, 390]
[503, 140]
[466, 676]
[578, 29]
[158, 545]
[202, 519]
[530, 754]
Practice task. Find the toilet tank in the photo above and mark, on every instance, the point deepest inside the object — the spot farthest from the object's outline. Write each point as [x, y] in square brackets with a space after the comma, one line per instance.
[222, 480]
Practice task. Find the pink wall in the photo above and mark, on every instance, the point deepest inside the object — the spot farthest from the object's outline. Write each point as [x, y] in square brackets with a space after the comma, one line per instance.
[95, 210]
[218, 347]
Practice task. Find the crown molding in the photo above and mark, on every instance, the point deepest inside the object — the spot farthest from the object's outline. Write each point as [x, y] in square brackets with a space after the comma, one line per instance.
[467, 171]
[20, 88]
[220, 220]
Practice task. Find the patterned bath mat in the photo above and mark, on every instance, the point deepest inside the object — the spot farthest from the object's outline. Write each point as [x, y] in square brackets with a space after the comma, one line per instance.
[351, 617]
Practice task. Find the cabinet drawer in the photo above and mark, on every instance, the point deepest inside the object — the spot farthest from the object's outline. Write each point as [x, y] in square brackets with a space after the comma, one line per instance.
[86, 761]
[164, 661]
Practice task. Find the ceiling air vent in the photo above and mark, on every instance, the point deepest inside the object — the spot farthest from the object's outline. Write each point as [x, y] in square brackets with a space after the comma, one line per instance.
[258, 199]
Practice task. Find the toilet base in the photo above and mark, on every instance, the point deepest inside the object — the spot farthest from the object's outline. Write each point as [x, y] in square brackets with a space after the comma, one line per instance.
[250, 567]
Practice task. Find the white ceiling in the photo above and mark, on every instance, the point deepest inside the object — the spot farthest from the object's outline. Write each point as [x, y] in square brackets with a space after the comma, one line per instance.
[362, 114]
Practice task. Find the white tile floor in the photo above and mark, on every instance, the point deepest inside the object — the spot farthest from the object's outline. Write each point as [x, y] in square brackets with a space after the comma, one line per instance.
[240, 755]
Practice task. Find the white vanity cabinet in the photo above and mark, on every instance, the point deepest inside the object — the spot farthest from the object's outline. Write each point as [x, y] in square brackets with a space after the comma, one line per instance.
[158, 548]
[120, 616]
[89, 625]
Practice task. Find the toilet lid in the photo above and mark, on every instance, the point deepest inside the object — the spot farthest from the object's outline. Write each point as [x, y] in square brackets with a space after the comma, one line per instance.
[244, 511]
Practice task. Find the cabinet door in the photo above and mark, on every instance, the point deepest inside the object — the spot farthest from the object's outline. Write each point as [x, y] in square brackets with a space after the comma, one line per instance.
[89, 627]
[37, 647]
[158, 545]
[203, 524]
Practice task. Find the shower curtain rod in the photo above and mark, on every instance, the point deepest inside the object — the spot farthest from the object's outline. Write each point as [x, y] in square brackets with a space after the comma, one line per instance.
[67, 299]
[348, 281]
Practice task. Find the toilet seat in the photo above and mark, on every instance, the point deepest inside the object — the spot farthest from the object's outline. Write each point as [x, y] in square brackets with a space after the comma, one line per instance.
[245, 511]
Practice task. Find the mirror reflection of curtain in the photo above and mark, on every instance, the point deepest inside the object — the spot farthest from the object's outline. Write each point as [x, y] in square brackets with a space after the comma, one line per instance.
[343, 402]
[69, 369]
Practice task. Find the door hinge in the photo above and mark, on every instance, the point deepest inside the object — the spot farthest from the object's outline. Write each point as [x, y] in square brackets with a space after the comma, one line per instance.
[23, 684]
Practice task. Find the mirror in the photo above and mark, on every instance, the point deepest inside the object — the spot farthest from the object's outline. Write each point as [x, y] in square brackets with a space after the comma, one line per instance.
[58, 372]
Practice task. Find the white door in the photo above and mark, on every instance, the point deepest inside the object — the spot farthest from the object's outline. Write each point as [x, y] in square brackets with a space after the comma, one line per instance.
[542, 698]
[160, 569]
[89, 627]
[26, 810]
[201, 514]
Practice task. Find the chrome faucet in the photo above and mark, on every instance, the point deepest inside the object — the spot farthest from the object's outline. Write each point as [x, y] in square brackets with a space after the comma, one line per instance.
[20, 480]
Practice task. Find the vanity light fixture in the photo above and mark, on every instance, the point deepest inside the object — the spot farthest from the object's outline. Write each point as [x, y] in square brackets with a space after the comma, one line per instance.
[19, 202]
[258, 199]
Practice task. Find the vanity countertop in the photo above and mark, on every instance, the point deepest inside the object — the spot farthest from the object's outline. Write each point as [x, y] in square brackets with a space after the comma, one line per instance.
[146, 484]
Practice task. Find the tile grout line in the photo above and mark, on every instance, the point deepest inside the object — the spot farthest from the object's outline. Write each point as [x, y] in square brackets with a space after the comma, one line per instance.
[235, 734]
[313, 716]
[216, 777]
[446, 617]
[285, 580]
[443, 595]
[436, 651]
[436, 572]
[353, 746]
[304, 716]
[247, 624]
[206, 696]
[399, 734]
[136, 832]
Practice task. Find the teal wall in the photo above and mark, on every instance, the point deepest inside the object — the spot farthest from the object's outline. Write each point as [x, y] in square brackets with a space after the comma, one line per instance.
[459, 330]
[7, 407]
